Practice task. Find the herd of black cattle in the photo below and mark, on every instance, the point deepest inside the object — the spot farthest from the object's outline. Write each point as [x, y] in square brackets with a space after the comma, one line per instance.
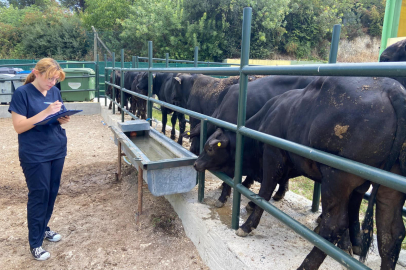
[359, 118]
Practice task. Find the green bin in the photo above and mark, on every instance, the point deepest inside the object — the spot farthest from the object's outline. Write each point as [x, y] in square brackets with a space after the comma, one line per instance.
[82, 80]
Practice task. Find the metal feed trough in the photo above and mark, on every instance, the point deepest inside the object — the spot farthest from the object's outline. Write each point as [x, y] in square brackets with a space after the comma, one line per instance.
[163, 164]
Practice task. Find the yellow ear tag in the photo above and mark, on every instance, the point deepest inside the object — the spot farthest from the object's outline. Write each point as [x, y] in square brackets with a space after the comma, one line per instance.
[188, 133]
[219, 144]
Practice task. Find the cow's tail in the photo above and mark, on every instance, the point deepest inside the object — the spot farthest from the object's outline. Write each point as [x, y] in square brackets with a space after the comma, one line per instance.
[398, 100]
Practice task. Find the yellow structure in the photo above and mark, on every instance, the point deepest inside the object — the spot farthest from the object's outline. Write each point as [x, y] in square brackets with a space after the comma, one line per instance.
[402, 21]
[259, 62]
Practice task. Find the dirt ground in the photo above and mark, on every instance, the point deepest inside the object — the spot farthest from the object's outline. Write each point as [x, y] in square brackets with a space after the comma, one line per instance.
[94, 213]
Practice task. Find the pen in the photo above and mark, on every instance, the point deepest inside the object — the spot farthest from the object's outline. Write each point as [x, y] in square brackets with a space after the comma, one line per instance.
[51, 103]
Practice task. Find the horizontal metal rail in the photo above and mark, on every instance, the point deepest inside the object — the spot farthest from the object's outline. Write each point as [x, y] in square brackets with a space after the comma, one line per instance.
[60, 63]
[296, 226]
[187, 61]
[388, 69]
[376, 175]
[226, 71]
[392, 69]
[18, 65]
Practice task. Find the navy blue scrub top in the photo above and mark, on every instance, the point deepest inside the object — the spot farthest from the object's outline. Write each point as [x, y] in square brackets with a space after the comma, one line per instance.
[44, 142]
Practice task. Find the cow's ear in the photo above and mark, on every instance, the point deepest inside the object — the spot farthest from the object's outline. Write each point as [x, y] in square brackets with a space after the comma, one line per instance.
[178, 80]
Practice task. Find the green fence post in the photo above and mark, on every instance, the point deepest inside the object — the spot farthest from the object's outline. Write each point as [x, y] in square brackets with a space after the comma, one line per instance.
[332, 59]
[395, 18]
[202, 175]
[97, 78]
[196, 56]
[106, 78]
[387, 24]
[122, 86]
[113, 92]
[137, 61]
[242, 102]
[166, 59]
[150, 104]
[133, 61]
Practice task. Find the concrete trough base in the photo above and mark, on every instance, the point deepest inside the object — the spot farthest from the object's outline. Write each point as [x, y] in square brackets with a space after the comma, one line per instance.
[272, 245]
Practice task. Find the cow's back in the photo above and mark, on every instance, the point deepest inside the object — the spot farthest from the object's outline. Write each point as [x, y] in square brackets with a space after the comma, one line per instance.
[206, 92]
[258, 93]
[351, 117]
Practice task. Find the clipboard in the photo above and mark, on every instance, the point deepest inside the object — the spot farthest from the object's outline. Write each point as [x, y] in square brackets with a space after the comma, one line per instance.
[54, 117]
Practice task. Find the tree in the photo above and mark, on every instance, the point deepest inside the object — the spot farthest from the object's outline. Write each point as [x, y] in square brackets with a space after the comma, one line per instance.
[74, 5]
[309, 25]
[105, 14]
[220, 23]
[27, 3]
[160, 22]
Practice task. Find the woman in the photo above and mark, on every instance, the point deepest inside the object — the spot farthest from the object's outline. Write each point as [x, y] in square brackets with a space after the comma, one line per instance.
[42, 148]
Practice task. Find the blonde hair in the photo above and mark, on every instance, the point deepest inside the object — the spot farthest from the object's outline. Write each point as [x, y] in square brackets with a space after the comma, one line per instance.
[48, 66]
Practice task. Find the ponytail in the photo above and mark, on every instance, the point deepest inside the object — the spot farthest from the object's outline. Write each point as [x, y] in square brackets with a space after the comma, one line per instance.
[30, 78]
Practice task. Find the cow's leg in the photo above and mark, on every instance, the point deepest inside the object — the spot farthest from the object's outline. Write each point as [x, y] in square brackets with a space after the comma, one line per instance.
[283, 188]
[336, 189]
[353, 214]
[344, 242]
[195, 141]
[173, 121]
[118, 100]
[182, 127]
[111, 103]
[226, 192]
[164, 119]
[144, 109]
[274, 169]
[389, 224]
[134, 103]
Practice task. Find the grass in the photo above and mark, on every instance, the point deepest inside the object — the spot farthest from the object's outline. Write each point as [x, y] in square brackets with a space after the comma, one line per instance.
[156, 114]
[361, 49]
[304, 186]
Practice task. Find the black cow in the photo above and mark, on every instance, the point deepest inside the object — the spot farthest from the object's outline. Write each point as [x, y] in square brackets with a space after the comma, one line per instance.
[162, 88]
[182, 86]
[394, 53]
[114, 79]
[139, 105]
[129, 78]
[362, 119]
[258, 93]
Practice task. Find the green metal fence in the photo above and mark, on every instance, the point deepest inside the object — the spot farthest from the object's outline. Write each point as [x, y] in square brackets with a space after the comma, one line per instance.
[367, 70]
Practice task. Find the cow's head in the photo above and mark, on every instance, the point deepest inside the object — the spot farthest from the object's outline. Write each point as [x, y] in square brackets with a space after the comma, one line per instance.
[143, 81]
[394, 53]
[216, 154]
[176, 91]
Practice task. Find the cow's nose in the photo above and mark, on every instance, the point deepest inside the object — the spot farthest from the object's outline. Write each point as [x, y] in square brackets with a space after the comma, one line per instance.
[194, 165]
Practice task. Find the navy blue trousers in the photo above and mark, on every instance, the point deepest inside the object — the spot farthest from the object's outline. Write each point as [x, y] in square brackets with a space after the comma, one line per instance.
[43, 181]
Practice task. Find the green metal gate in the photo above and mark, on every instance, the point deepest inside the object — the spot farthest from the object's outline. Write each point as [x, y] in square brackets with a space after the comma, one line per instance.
[363, 70]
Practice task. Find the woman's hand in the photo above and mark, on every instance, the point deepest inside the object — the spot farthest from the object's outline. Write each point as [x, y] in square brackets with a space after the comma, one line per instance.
[64, 120]
[54, 107]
